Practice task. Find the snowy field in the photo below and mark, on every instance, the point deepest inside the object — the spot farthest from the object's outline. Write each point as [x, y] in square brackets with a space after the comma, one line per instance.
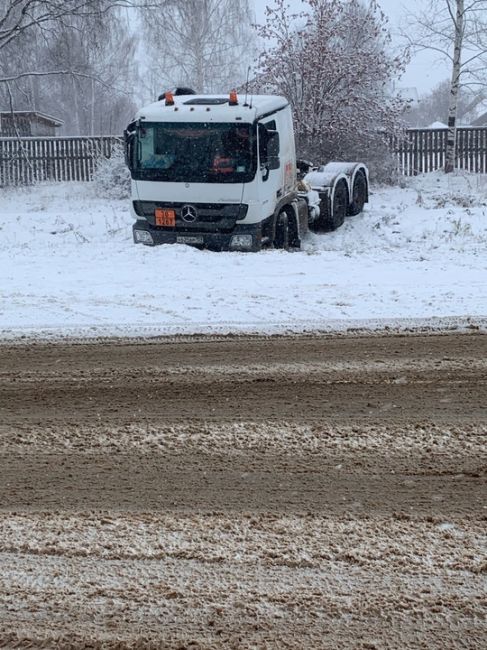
[415, 258]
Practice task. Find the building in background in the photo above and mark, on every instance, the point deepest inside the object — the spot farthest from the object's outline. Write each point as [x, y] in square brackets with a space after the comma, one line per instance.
[27, 123]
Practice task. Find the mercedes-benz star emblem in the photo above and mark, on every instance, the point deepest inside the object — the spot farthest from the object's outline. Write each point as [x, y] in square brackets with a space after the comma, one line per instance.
[189, 213]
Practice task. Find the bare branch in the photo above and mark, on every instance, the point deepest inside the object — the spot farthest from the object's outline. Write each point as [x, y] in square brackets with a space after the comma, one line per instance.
[473, 58]
[418, 46]
[73, 73]
[473, 4]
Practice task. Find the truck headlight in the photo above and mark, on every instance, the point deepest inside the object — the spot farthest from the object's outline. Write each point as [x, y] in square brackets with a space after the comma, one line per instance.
[143, 237]
[241, 241]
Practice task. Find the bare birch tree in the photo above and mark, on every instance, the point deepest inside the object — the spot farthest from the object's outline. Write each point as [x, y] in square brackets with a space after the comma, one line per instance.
[56, 51]
[457, 30]
[205, 44]
[100, 100]
[19, 18]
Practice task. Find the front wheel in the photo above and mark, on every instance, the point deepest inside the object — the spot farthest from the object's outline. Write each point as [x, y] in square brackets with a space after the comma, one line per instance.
[282, 237]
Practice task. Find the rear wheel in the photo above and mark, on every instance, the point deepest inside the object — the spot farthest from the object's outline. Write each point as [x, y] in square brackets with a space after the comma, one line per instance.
[339, 207]
[359, 195]
[333, 209]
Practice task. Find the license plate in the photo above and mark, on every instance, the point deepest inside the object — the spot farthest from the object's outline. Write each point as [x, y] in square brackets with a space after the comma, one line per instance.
[189, 239]
[165, 217]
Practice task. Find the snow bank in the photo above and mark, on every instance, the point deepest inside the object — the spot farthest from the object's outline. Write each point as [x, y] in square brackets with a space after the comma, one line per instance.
[416, 257]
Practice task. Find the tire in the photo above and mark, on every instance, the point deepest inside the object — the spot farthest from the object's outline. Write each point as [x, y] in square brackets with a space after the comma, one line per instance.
[331, 219]
[282, 238]
[340, 205]
[359, 195]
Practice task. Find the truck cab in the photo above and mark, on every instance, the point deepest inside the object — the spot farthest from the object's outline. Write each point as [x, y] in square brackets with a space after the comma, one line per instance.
[214, 171]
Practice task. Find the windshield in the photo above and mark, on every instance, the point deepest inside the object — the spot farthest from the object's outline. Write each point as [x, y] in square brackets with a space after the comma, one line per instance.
[196, 152]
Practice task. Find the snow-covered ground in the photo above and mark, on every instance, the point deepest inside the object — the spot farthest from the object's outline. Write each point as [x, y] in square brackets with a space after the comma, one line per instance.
[415, 258]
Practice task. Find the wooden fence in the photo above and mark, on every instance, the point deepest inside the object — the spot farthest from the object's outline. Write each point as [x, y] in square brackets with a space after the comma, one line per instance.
[424, 150]
[27, 160]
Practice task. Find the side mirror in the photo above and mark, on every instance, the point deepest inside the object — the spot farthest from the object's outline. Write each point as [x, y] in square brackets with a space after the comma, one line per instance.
[129, 138]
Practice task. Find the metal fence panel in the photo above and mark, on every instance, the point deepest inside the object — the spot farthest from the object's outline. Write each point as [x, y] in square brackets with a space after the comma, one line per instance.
[24, 161]
[424, 150]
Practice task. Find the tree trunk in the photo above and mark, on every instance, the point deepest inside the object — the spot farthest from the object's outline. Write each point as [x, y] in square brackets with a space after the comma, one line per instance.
[77, 120]
[92, 111]
[455, 86]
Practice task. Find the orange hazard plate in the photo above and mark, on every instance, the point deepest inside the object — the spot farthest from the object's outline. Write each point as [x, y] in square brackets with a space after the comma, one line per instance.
[165, 217]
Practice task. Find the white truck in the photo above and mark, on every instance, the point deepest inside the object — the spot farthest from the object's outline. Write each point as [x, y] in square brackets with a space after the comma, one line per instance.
[220, 173]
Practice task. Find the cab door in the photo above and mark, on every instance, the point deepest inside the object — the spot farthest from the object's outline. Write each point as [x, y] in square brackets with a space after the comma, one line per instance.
[269, 171]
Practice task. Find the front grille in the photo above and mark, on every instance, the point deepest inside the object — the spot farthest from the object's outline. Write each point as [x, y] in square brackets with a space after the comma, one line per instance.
[207, 212]
[223, 226]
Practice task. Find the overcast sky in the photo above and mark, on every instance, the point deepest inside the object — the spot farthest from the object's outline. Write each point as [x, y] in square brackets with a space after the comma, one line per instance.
[424, 71]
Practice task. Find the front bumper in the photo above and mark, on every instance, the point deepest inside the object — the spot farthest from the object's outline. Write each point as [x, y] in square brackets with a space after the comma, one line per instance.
[243, 237]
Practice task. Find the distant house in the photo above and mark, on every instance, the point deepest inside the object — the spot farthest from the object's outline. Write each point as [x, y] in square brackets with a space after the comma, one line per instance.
[27, 123]
[480, 121]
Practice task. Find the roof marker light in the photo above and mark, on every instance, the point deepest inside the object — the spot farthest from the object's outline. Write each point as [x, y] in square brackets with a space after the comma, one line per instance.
[233, 101]
[169, 98]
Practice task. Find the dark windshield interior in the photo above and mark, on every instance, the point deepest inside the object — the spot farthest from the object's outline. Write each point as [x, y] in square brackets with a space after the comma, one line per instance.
[196, 152]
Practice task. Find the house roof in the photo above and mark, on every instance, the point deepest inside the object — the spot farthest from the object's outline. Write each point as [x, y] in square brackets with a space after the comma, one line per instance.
[40, 116]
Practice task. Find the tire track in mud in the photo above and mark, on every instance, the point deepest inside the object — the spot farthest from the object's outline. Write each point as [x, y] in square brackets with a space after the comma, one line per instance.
[317, 492]
[390, 378]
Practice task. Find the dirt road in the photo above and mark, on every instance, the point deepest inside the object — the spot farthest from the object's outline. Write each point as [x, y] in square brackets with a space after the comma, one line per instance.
[311, 492]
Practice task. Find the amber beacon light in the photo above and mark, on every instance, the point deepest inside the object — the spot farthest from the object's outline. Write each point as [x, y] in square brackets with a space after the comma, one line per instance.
[233, 98]
[169, 98]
